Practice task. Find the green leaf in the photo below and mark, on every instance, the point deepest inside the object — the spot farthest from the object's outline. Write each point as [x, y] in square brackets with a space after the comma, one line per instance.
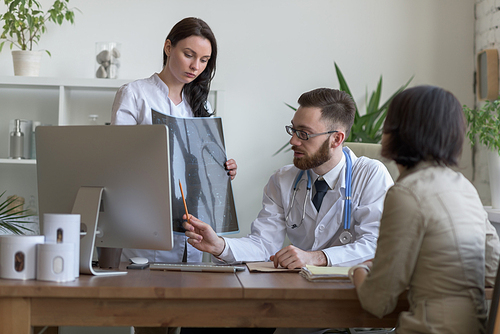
[25, 21]
[9, 216]
[281, 149]
[343, 86]
[375, 98]
[294, 109]
[484, 124]
[368, 128]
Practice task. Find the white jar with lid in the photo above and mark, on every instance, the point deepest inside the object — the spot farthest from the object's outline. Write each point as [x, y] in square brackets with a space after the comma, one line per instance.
[55, 262]
[18, 256]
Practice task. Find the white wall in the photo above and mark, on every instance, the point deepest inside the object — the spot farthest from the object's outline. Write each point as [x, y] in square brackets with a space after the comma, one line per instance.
[272, 51]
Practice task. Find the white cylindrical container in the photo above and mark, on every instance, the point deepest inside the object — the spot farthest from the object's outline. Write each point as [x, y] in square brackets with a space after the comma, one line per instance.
[18, 256]
[55, 262]
[64, 228]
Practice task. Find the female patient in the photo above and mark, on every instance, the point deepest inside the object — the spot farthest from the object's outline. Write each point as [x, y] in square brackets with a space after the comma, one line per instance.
[435, 237]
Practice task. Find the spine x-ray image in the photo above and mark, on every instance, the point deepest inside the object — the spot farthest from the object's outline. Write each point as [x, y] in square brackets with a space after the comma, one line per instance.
[197, 156]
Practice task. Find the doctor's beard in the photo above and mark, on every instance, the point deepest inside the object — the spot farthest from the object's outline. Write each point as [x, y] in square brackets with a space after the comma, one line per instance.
[318, 158]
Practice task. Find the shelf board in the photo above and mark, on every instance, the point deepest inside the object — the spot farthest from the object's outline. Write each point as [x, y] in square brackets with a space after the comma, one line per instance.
[493, 214]
[57, 82]
[12, 81]
[18, 161]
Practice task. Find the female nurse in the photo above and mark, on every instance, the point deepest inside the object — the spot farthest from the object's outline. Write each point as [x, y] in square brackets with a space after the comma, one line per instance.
[435, 238]
[180, 89]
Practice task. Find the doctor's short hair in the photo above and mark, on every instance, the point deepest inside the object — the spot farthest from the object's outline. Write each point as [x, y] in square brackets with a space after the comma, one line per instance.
[337, 107]
[424, 123]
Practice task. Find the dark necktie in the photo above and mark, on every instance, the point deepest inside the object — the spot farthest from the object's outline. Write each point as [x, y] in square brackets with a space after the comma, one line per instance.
[321, 189]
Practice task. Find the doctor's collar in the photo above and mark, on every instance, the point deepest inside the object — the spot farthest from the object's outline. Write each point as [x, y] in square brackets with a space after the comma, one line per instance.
[332, 176]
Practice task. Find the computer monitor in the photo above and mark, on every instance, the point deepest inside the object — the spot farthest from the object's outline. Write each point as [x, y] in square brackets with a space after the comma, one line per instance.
[116, 177]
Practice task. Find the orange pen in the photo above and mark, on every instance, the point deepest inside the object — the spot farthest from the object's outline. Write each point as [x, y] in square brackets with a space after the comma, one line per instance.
[184, 200]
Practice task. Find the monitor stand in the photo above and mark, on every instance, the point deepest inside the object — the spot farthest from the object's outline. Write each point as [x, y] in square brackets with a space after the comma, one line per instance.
[87, 204]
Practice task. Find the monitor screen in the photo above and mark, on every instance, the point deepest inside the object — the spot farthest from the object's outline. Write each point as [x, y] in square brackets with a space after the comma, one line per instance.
[131, 165]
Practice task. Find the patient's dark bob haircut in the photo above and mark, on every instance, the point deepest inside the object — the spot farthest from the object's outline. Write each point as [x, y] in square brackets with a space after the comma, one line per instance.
[424, 123]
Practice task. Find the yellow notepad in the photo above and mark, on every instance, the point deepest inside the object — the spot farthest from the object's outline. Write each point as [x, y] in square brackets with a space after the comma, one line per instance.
[339, 271]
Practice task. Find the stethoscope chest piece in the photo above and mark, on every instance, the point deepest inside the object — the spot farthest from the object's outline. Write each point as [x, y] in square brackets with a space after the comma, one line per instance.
[345, 237]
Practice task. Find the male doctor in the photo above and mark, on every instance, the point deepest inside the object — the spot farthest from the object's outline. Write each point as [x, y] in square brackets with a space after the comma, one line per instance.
[315, 220]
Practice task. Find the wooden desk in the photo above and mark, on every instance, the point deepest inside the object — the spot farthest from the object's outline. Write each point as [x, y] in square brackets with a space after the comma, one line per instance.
[160, 298]
[285, 300]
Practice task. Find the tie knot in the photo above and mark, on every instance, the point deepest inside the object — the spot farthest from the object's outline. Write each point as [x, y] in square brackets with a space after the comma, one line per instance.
[321, 185]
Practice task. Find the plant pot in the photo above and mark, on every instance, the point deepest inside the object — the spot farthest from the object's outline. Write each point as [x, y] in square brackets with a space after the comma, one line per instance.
[494, 172]
[26, 63]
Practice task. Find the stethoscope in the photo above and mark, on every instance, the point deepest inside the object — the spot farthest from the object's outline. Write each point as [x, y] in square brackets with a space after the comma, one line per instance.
[345, 236]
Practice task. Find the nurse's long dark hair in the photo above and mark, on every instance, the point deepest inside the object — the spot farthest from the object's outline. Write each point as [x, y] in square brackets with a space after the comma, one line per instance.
[196, 92]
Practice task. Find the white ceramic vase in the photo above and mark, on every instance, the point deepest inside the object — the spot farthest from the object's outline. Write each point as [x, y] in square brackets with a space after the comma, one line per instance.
[494, 172]
[26, 63]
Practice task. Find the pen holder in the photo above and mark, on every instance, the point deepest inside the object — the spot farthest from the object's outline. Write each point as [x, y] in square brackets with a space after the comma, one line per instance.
[18, 256]
[109, 258]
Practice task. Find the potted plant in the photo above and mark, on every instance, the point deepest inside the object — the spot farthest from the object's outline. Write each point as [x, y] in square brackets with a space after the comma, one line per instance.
[366, 128]
[484, 127]
[23, 24]
[11, 215]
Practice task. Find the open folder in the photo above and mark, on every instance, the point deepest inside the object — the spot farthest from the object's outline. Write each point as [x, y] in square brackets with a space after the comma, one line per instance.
[324, 274]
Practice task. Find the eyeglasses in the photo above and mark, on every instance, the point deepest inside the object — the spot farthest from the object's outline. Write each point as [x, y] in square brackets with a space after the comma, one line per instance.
[304, 135]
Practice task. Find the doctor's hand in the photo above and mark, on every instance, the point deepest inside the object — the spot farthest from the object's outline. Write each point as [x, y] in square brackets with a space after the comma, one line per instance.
[292, 257]
[231, 167]
[202, 236]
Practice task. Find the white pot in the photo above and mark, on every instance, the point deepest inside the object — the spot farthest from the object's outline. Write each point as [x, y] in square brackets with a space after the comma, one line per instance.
[27, 63]
[494, 171]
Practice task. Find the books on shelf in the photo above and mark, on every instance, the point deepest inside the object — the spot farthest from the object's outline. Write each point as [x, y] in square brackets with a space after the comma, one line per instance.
[324, 274]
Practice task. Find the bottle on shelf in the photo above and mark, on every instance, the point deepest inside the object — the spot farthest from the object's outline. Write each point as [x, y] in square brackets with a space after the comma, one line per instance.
[93, 119]
[32, 222]
[16, 141]
[33, 142]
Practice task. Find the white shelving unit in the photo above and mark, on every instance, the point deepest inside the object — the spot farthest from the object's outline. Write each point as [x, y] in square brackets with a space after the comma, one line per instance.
[66, 94]
[55, 101]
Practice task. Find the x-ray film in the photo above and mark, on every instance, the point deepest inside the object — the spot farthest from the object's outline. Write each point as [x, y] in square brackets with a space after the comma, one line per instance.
[197, 158]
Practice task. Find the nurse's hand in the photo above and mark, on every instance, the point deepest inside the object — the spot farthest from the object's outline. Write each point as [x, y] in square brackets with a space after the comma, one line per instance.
[292, 257]
[231, 167]
[202, 236]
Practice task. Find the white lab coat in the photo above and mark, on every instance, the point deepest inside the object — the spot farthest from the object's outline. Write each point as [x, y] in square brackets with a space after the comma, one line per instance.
[134, 101]
[319, 230]
[132, 105]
